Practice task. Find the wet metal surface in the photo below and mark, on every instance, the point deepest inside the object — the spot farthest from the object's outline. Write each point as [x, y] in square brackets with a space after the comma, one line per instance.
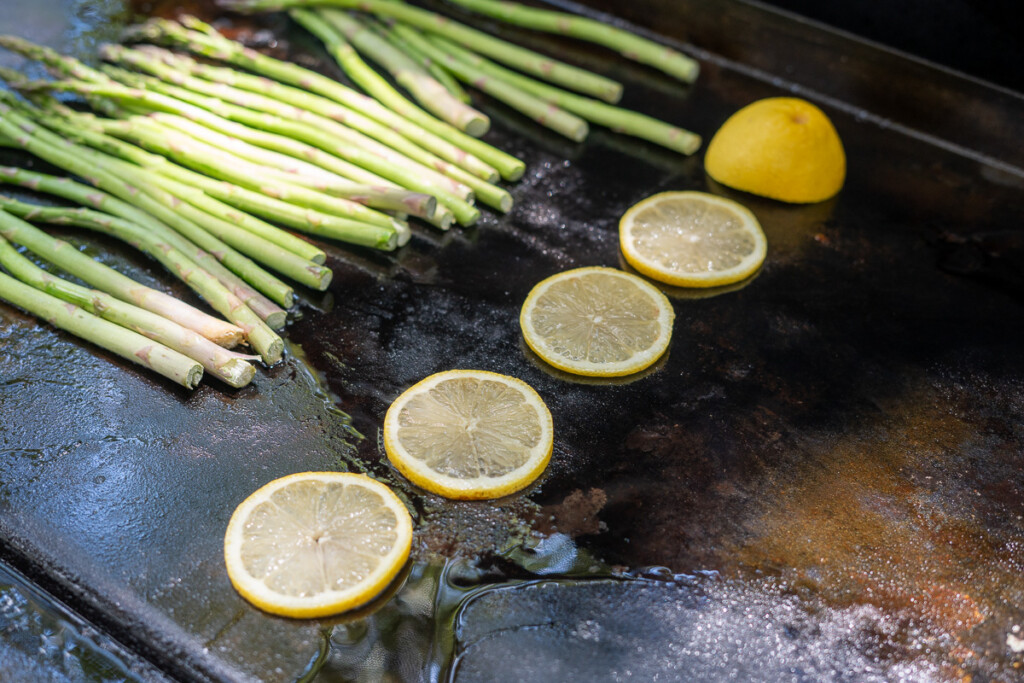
[823, 479]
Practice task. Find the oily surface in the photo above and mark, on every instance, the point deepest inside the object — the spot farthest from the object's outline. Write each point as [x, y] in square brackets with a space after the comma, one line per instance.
[826, 465]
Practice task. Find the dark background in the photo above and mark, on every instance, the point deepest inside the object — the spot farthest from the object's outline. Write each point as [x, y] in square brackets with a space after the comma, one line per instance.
[981, 38]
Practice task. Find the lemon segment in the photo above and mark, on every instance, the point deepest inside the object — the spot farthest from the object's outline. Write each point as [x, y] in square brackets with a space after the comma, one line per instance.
[469, 434]
[316, 543]
[784, 148]
[597, 322]
[692, 239]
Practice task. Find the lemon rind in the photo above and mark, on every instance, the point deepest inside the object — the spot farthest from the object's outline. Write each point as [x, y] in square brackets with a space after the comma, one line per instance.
[329, 602]
[468, 489]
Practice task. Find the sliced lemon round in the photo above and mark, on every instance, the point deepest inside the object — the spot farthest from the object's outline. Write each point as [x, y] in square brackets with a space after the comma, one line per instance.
[598, 322]
[692, 239]
[469, 434]
[316, 543]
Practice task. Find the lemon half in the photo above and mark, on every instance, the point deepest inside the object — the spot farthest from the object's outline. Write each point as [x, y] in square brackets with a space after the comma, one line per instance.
[316, 543]
[780, 147]
[469, 434]
[692, 239]
[598, 322]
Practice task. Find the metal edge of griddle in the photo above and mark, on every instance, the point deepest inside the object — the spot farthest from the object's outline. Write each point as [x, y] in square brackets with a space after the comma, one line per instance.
[920, 91]
[120, 616]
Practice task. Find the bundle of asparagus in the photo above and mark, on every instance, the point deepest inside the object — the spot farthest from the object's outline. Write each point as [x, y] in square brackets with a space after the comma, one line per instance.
[138, 323]
[413, 45]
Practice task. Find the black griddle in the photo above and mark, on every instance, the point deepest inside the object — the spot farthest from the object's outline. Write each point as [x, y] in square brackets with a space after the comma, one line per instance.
[823, 479]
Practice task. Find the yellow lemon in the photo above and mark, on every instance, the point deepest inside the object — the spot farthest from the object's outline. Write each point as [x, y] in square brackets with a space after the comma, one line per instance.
[469, 434]
[317, 543]
[597, 322]
[692, 239]
[784, 148]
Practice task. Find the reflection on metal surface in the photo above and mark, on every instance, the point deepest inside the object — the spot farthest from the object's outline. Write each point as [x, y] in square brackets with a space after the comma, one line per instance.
[563, 376]
[828, 469]
[42, 641]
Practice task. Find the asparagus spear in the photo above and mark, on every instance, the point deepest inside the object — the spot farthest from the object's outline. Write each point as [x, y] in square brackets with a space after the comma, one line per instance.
[292, 170]
[203, 40]
[487, 193]
[114, 338]
[194, 204]
[544, 113]
[262, 338]
[352, 134]
[160, 204]
[223, 300]
[414, 52]
[339, 143]
[431, 94]
[216, 163]
[336, 140]
[68, 258]
[522, 59]
[625, 43]
[171, 176]
[509, 167]
[230, 368]
[79, 127]
[618, 119]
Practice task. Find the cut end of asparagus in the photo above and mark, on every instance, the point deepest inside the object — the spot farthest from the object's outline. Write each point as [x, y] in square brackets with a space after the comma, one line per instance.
[194, 376]
[402, 232]
[277, 320]
[477, 126]
[236, 373]
[323, 278]
[514, 171]
[505, 203]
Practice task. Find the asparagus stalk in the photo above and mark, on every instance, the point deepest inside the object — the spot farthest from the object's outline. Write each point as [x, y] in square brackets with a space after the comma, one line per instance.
[203, 40]
[262, 338]
[530, 62]
[544, 113]
[618, 119]
[352, 134]
[61, 63]
[114, 338]
[194, 204]
[222, 299]
[161, 205]
[291, 170]
[230, 368]
[333, 138]
[81, 127]
[78, 127]
[388, 197]
[486, 192]
[170, 176]
[627, 44]
[368, 79]
[66, 257]
[413, 51]
[216, 163]
[431, 94]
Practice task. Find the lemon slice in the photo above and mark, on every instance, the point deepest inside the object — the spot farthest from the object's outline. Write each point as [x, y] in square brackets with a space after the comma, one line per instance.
[316, 543]
[692, 239]
[469, 434]
[598, 322]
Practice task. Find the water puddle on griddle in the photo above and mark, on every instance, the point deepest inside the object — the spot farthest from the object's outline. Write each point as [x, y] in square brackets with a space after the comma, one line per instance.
[546, 610]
